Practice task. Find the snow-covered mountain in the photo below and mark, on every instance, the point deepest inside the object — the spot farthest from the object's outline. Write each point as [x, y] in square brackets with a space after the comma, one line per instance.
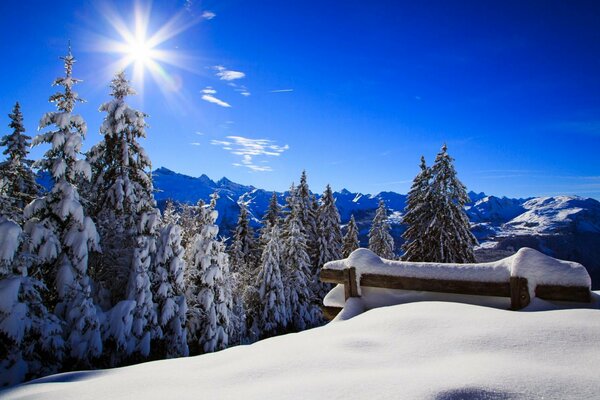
[566, 227]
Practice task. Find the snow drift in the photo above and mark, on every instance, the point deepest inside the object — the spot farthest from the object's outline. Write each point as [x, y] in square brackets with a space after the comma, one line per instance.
[425, 350]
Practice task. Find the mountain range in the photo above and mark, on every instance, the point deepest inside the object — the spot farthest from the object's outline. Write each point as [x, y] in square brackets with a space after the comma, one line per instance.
[566, 227]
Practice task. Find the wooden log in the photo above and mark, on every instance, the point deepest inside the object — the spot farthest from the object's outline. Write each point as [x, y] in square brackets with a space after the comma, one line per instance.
[500, 289]
[330, 312]
[580, 294]
[350, 284]
[332, 276]
[519, 293]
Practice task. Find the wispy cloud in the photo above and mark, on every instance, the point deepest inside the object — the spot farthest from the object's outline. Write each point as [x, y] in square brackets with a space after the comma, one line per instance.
[195, 143]
[251, 149]
[243, 91]
[199, 133]
[208, 15]
[281, 90]
[208, 93]
[225, 74]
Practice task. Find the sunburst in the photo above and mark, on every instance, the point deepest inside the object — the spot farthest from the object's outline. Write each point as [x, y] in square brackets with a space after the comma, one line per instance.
[143, 51]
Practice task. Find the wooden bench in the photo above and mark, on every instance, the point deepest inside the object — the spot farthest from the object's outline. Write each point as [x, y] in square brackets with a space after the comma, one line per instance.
[516, 288]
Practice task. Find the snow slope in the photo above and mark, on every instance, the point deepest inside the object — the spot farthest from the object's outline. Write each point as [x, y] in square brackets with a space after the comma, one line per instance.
[424, 350]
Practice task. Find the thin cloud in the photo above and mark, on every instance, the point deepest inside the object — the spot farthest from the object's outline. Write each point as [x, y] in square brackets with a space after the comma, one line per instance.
[225, 74]
[212, 99]
[281, 90]
[195, 143]
[208, 93]
[199, 133]
[252, 151]
[208, 15]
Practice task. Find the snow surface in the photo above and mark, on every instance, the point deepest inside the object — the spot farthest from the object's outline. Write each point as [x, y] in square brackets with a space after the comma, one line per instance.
[538, 268]
[423, 350]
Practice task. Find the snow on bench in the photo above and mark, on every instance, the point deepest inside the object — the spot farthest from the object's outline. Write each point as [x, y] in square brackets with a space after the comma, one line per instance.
[526, 273]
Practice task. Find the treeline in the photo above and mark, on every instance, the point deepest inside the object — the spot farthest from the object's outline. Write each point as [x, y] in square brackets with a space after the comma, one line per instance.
[93, 276]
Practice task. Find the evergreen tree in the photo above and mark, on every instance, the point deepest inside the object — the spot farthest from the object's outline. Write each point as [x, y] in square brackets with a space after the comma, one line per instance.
[380, 240]
[270, 219]
[170, 215]
[169, 293]
[272, 317]
[17, 181]
[296, 271]
[209, 293]
[330, 239]
[417, 217]
[243, 248]
[127, 216]
[309, 220]
[449, 231]
[188, 222]
[31, 343]
[350, 242]
[59, 218]
[122, 189]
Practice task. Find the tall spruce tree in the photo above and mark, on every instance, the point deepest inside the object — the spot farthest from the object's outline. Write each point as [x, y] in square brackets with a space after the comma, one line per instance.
[59, 218]
[309, 218]
[209, 292]
[126, 213]
[17, 180]
[380, 240]
[350, 242]
[296, 267]
[243, 251]
[31, 343]
[330, 239]
[272, 316]
[449, 229]
[169, 293]
[170, 215]
[418, 217]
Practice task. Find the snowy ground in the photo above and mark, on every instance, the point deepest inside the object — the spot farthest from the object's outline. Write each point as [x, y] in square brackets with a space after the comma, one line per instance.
[422, 350]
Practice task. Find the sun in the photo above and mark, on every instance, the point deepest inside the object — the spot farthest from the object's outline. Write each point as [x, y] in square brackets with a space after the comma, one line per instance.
[141, 50]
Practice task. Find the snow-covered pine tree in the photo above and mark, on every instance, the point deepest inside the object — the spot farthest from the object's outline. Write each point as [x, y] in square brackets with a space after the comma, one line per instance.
[272, 316]
[247, 286]
[31, 343]
[380, 240]
[17, 181]
[351, 242]
[209, 293]
[243, 256]
[296, 267]
[170, 215]
[330, 239]
[309, 218]
[188, 221]
[169, 294]
[127, 216]
[417, 217]
[122, 189]
[449, 229]
[243, 248]
[59, 217]
[270, 219]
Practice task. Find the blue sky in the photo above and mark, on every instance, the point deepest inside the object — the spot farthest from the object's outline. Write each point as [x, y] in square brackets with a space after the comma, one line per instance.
[352, 91]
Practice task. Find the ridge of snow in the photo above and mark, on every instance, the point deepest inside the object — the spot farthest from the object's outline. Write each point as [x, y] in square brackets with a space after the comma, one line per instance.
[385, 353]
